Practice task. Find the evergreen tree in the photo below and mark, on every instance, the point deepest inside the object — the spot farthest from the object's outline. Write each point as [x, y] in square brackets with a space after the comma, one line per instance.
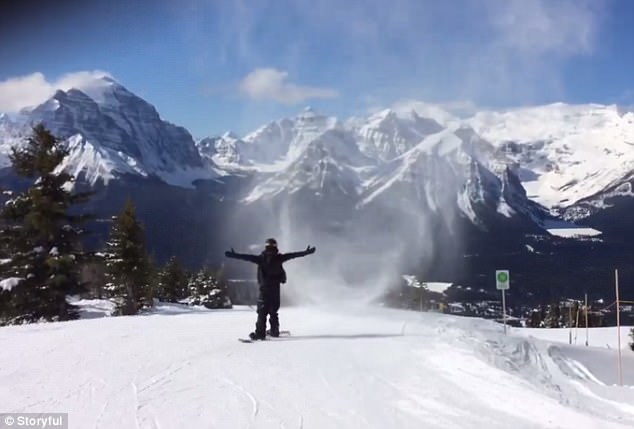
[151, 292]
[576, 311]
[127, 263]
[40, 236]
[207, 288]
[542, 316]
[553, 317]
[535, 319]
[196, 288]
[172, 282]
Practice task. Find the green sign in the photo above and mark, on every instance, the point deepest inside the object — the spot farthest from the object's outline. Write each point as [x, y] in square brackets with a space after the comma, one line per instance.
[502, 279]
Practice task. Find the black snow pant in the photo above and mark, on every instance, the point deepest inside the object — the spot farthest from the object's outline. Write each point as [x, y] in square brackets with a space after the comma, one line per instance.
[268, 305]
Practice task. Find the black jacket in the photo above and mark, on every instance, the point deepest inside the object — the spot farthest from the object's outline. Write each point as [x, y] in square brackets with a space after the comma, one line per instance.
[269, 262]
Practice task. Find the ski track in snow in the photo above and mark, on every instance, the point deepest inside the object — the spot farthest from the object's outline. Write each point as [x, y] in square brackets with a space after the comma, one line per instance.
[370, 367]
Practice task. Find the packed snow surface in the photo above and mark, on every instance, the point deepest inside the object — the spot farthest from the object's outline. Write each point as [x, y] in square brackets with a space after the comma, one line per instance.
[438, 287]
[597, 337]
[358, 367]
[574, 232]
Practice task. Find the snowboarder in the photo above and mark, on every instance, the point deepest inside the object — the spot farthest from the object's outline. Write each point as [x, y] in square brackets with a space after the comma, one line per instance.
[270, 275]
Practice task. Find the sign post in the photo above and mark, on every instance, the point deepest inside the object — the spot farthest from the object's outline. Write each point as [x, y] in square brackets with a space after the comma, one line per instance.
[586, 311]
[570, 324]
[502, 282]
[618, 326]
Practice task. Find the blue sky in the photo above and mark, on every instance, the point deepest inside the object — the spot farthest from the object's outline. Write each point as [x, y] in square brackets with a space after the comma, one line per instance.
[216, 65]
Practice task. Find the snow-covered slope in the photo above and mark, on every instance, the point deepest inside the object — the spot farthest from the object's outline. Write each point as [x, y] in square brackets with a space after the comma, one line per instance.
[563, 153]
[111, 131]
[362, 367]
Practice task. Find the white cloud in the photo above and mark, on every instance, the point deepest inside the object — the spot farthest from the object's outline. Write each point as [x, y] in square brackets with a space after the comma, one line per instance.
[531, 42]
[495, 52]
[460, 107]
[443, 112]
[272, 84]
[542, 27]
[22, 91]
[33, 89]
[437, 112]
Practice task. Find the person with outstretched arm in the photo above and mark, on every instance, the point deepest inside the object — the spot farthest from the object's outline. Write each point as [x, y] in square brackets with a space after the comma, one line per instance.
[270, 275]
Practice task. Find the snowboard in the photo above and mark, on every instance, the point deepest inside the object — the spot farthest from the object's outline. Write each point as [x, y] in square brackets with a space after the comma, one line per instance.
[282, 333]
[268, 337]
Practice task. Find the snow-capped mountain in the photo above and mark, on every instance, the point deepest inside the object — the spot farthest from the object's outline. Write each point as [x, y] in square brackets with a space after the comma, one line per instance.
[287, 138]
[385, 155]
[271, 147]
[622, 188]
[225, 150]
[110, 132]
[387, 135]
[10, 135]
[443, 171]
[327, 163]
[563, 153]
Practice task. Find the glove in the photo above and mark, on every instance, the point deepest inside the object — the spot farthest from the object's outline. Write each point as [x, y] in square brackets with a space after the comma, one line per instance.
[230, 252]
[310, 250]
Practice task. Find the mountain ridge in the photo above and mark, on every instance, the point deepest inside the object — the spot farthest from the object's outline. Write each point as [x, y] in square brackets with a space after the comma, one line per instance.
[563, 154]
[121, 134]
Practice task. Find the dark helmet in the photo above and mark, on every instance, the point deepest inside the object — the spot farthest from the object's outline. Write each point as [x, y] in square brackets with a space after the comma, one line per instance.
[270, 242]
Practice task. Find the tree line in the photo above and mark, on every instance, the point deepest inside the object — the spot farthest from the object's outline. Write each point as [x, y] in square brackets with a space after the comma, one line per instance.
[557, 316]
[43, 262]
